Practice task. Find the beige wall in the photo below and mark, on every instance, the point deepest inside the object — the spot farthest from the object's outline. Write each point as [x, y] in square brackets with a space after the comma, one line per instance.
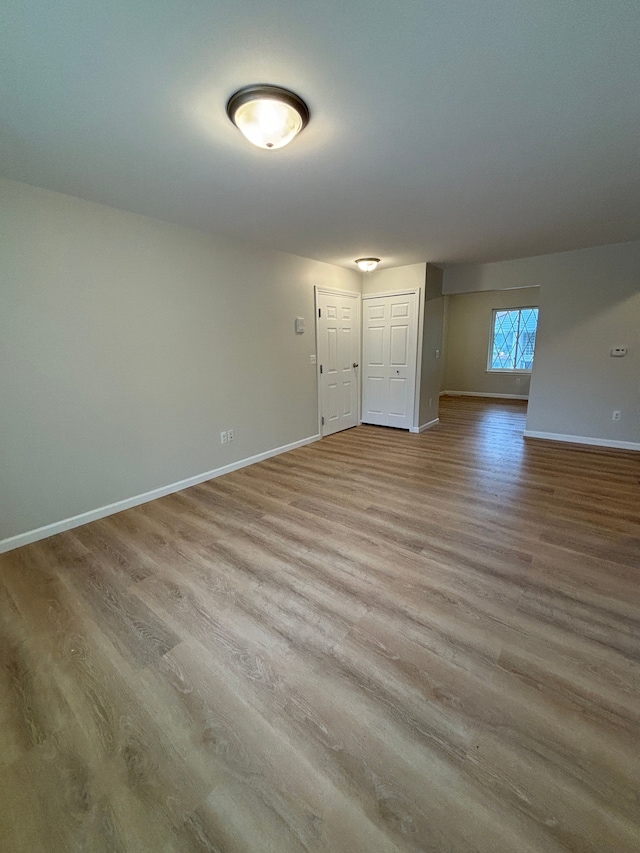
[589, 303]
[411, 277]
[432, 347]
[468, 333]
[128, 344]
[503, 275]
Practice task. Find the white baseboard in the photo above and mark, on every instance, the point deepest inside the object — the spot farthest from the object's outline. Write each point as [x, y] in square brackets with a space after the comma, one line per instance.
[110, 509]
[583, 439]
[425, 426]
[483, 394]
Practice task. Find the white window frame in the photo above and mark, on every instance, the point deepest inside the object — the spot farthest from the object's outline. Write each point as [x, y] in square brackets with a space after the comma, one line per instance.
[511, 371]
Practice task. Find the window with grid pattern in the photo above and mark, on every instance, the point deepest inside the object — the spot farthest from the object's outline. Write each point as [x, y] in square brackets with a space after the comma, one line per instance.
[513, 339]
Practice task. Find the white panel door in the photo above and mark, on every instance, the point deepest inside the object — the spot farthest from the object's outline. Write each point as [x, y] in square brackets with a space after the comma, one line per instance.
[338, 329]
[389, 353]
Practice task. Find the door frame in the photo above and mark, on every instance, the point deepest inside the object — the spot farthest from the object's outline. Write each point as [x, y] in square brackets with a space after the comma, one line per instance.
[332, 291]
[420, 329]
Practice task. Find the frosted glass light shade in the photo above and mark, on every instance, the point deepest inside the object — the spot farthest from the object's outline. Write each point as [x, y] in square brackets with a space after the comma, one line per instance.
[367, 264]
[268, 116]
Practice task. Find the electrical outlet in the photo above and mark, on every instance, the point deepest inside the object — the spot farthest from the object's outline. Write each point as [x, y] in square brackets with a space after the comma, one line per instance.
[230, 434]
[616, 416]
[223, 437]
[312, 359]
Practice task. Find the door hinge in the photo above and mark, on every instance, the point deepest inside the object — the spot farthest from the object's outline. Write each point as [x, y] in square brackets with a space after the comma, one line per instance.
[320, 368]
[319, 312]
[323, 420]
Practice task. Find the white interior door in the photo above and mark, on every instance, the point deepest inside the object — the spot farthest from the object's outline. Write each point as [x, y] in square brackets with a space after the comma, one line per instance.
[389, 353]
[338, 334]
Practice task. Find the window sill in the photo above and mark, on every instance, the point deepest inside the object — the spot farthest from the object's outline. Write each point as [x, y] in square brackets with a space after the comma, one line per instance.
[508, 371]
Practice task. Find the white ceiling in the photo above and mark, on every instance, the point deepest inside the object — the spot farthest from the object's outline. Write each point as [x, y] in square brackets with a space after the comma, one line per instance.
[441, 130]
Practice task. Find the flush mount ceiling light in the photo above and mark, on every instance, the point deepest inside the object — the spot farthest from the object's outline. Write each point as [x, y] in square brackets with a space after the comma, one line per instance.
[368, 264]
[267, 115]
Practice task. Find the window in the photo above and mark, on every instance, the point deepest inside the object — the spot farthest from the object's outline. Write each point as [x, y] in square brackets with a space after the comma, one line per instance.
[513, 339]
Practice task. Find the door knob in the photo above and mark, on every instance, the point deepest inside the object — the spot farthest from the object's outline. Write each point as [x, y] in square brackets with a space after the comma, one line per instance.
[355, 364]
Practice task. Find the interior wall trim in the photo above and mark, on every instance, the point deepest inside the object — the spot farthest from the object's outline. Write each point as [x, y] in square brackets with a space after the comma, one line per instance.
[423, 427]
[484, 394]
[386, 293]
[110, 509]
[583, 439]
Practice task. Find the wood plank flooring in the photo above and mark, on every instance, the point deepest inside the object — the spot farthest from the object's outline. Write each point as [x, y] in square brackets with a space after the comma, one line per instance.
[379, 642]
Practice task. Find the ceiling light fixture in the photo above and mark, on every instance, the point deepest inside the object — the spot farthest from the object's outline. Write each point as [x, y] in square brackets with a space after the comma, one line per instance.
[368, 264]
[267, 115]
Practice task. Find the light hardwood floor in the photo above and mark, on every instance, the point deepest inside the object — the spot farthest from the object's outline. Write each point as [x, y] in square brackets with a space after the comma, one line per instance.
[379, 642]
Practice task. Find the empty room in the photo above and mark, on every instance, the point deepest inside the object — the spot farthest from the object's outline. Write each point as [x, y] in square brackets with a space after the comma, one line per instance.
[319, 427]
